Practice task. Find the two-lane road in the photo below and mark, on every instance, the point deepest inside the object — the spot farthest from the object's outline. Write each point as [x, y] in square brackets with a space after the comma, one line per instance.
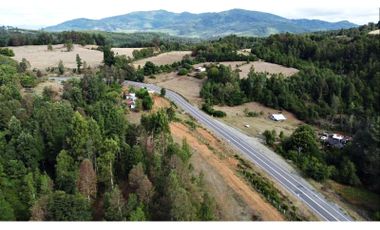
[292, 183]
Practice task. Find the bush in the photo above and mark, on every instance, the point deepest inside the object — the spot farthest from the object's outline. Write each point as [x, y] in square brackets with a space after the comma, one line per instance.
[183, 71]
[215, 113]
[7, 52]
[270, 137]
[201, 75]
[28, 81]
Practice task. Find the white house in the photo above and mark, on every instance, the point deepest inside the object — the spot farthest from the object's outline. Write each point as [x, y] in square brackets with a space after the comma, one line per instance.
[131, 100]
[278, 117]
[200, 69]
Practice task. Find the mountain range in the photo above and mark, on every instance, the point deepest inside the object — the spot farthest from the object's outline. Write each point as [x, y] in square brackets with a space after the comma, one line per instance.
[203, 25]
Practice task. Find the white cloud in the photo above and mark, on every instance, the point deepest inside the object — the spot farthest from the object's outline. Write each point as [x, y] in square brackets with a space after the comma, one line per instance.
[51, 12]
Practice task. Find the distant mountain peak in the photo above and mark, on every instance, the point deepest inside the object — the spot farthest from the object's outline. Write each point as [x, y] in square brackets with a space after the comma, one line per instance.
[205, 25]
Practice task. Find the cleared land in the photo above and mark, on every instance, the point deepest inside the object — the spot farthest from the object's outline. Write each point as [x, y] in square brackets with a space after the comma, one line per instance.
[266, 67]
[374, 32]
[237, 118]
[164, 58]
[189, 87]
[259, 66]
[40, 58]
[125, 51]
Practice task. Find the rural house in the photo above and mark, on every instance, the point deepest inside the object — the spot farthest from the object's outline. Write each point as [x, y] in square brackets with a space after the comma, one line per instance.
[278, 117]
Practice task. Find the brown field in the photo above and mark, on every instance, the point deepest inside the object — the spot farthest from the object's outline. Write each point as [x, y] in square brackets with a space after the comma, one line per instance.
[260, 67]
[235, 199]
[236, 118]
[164, 58]
[40, 58]
[266, 67]
[189, 87]
[125, 51]
[244, 51]
[374, 32]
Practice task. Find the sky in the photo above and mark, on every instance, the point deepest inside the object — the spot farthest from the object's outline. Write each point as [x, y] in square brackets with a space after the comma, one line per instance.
[35, 14]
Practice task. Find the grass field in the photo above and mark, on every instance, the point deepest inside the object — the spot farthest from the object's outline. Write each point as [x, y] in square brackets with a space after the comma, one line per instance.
[257, 125]
[266, 67]
[40, 58]
[164, 58]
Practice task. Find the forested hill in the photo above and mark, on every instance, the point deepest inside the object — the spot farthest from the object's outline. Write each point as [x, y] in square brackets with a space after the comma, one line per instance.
[204, 25]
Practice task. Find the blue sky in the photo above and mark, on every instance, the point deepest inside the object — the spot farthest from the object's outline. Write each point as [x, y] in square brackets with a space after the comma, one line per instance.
[39, 13]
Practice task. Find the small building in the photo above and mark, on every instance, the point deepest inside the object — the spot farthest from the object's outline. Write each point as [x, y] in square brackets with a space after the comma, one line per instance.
[278, 117]
[131, 100]
[131, 96]
[200, 69]
[335, 140]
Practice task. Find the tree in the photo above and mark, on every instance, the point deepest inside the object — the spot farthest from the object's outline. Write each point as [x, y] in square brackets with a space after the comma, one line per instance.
[87, 180]
[347, 172]
[270, 137]
[78, 137]
[66, 174]
[147, 103]
[163, 92]
[24, 65]
[67, 207]
[105, 163]
[207, 209]
[29, 150]
[140, 184]
[61, 67]
[7, 52]
[6, 210]
[181, 207]
[156, 123]
[79, 63]
[114, 205]
[108, 56]
[149, 68]
[138, 214]
[69, 45]
[50, 47]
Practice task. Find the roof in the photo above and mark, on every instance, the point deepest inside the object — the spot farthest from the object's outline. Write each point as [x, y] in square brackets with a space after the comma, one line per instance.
[337, 136]
[278, 117]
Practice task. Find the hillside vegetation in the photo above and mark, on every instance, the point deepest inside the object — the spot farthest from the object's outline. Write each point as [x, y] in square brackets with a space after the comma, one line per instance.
[79, 159]
[204, 25]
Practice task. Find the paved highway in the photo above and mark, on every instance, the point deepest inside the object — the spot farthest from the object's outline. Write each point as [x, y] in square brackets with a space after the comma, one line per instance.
[302, 190]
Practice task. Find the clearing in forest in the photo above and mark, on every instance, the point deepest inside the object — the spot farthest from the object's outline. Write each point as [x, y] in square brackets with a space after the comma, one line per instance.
[164, 58]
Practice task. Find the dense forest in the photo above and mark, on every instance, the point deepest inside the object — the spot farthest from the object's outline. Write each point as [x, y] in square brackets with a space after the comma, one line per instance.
[78, 158]
[10, 36]
[337, 88]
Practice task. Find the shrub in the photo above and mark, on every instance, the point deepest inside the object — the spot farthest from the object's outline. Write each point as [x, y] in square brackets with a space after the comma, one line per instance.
[183, 71]
[209, 110]
[7, 52]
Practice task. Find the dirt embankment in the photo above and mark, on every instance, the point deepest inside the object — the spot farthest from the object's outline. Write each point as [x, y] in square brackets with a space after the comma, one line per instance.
[236, 200]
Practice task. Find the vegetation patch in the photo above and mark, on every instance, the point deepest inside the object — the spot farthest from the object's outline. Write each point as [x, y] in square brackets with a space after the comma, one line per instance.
[268, 191]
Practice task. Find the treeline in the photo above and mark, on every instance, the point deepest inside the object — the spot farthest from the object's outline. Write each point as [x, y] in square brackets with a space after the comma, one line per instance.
[78, 158]
[10, 36]
[19, 37]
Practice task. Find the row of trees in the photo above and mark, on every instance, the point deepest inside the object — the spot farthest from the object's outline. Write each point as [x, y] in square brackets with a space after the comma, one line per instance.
[78, 158]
